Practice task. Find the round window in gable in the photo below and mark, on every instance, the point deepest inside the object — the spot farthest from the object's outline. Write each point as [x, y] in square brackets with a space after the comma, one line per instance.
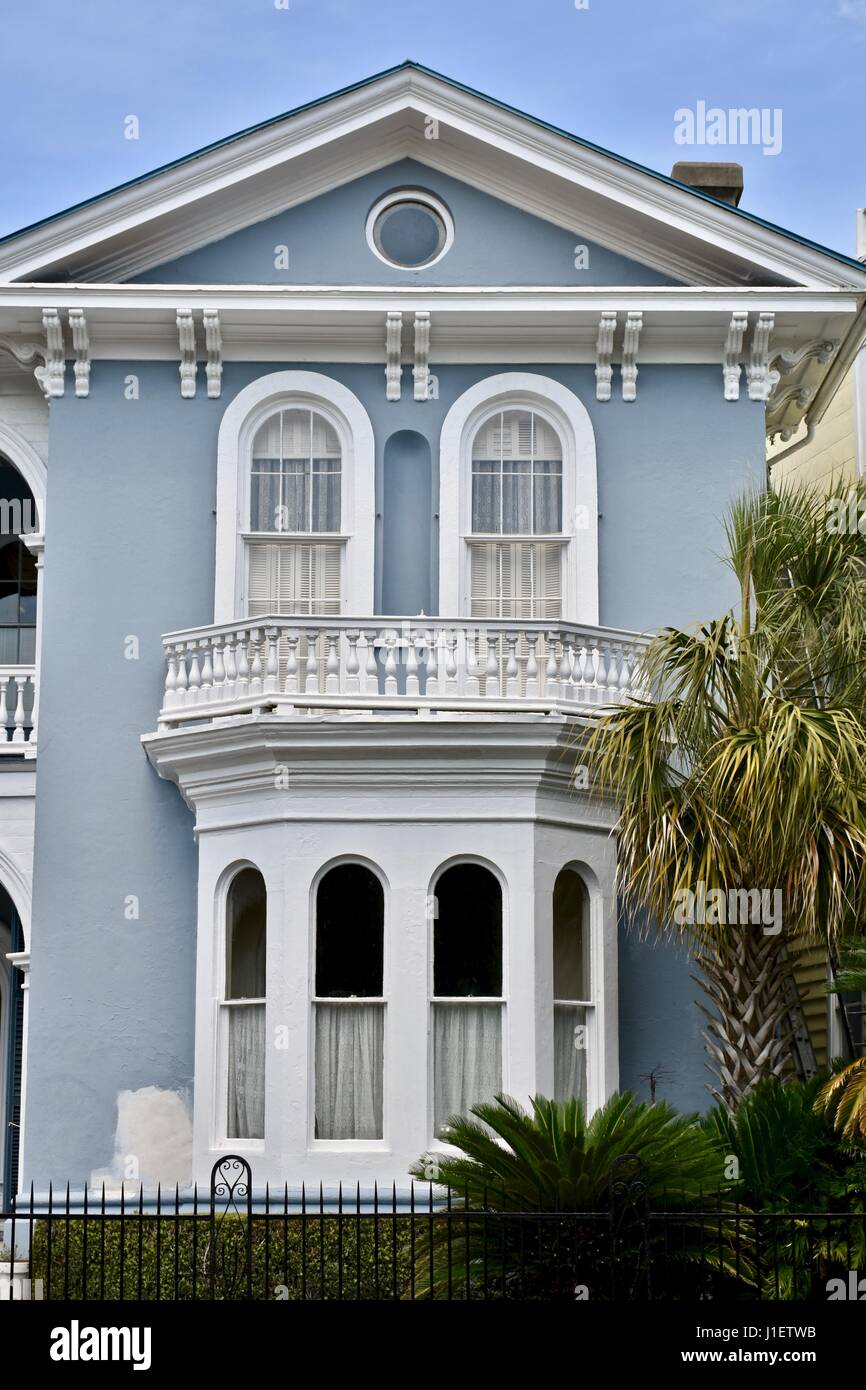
[409, 229]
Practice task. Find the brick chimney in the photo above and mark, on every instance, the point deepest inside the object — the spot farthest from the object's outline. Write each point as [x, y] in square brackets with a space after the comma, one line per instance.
[724, 181]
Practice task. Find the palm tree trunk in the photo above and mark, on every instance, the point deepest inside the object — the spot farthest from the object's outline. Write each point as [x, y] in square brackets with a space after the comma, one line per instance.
[747, 1036]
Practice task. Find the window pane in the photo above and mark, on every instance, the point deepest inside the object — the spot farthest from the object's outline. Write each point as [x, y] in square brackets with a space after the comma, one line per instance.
[570, 937]
[265, 495]
[516, 498]
[246, 1064]
[350, 913]
[467, 1058]
[467, 934]
[349, 1071]
[296, 469]
[245, 936]
[547, 497]
[569, 1051]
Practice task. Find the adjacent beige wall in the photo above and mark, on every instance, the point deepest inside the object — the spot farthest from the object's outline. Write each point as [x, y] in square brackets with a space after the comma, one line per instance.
[831, 454]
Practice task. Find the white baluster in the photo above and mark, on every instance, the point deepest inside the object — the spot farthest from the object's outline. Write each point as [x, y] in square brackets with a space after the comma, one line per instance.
[272, 665]
[219, 668]
[491, 673]
[551, 685]
[230, 687]
[332, 665]
[353, 681]
[242, 684]
[471, 638]
[625, 672]
[256, 665]
[194, 674]
[292, 686]
[371, 665]
[413, 686]
[181, 686]
[532, 666]
[206, 672]
[4, 710]
[170, 679]
[512, 671]
[390, 663]
[18, 734]
[566, 690]
[311, 684]
[450, 639]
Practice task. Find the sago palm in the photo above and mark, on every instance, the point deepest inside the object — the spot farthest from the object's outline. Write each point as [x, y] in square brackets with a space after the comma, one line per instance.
[744, 770]
[554, 1204]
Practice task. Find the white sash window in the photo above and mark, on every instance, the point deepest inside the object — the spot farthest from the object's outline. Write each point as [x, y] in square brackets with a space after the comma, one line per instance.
[517, 491]
[295, 552]
[242, 1009]
[573, 1008]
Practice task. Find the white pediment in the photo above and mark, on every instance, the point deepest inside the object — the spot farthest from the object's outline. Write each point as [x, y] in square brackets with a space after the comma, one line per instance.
[410, 112]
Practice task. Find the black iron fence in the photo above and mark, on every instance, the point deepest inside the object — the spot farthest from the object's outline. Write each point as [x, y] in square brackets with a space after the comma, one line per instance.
[233, 1242]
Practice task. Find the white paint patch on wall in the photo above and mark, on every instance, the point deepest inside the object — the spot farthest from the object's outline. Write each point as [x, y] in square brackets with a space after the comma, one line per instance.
[153, 1140]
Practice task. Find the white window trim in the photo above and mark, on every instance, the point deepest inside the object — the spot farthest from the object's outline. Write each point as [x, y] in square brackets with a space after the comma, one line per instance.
[248, 410]
[563, 409]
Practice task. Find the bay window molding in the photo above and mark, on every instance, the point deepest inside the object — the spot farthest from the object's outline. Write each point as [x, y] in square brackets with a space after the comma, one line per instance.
[569, 417]
[242, 419]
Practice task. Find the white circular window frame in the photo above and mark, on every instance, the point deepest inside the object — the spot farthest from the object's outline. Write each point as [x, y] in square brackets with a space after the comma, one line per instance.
[409, 195]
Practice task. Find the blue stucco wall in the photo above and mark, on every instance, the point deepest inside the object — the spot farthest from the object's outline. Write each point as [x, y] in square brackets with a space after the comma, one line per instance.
[130, 553]
[494, 244]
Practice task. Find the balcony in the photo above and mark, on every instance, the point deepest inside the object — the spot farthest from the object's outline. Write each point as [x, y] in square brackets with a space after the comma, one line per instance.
[412, 665]
[17, 697]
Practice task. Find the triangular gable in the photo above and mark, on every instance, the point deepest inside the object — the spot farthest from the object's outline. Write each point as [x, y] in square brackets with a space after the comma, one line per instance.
[411, 112]
[323, 241]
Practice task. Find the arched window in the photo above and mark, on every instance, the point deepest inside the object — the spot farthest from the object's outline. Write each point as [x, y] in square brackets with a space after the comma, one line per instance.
[243, 1005]
[516, 492]
[295, 498]
[17, 569]
[572, 985]
[467, 991]
[349, 1005]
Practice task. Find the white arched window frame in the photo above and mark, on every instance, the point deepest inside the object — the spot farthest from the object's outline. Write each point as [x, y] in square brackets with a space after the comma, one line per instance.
[567, 414]
[240, 424]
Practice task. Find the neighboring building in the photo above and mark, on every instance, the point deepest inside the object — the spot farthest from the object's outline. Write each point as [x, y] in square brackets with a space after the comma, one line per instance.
[375, 435]
[827, 450]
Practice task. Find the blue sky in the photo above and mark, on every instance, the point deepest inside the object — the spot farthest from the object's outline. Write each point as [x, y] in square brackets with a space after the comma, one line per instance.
[193, 71]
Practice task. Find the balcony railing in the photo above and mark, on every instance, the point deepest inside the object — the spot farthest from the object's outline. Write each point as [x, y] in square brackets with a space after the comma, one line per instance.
[17, 696]
[415, 664]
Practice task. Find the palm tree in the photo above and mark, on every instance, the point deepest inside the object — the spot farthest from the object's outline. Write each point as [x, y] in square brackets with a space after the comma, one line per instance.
[744, 769]
[843, 1098]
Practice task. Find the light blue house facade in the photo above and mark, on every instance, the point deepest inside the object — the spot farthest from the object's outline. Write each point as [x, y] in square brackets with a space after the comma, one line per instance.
[362, 447]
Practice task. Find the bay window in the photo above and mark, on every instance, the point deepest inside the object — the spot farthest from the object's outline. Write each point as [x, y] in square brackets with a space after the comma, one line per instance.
[572, 986]
[243, 1006]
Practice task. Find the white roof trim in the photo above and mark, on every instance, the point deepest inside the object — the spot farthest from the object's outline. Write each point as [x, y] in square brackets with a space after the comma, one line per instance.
[378, 123]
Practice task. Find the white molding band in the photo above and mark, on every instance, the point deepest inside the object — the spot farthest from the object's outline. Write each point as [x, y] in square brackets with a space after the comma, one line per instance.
[580, 485]
[238, 427]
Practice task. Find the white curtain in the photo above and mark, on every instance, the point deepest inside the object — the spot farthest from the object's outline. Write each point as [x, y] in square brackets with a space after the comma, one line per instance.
[569, 1051]
[349, 1066]
[467, 1058]
[246, 1079]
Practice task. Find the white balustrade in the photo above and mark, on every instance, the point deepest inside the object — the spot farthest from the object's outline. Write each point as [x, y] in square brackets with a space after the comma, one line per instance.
[449, 663]
[17, 694]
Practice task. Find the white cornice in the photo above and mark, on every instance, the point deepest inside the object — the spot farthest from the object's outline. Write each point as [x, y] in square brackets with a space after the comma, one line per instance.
[680, 226]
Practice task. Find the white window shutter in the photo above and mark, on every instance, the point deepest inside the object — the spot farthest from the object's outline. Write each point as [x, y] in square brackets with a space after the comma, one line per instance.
[294, 579]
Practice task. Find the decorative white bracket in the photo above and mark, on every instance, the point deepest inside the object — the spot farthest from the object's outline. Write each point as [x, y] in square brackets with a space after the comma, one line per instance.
[421, 370]
[733, 350]
[393, 349]
[603, 352]
[52, 376]
[81, 347]
[25, 354]
[761, 380]
[633, 326]
[186, 339]
[214, 346]
[822, 349]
